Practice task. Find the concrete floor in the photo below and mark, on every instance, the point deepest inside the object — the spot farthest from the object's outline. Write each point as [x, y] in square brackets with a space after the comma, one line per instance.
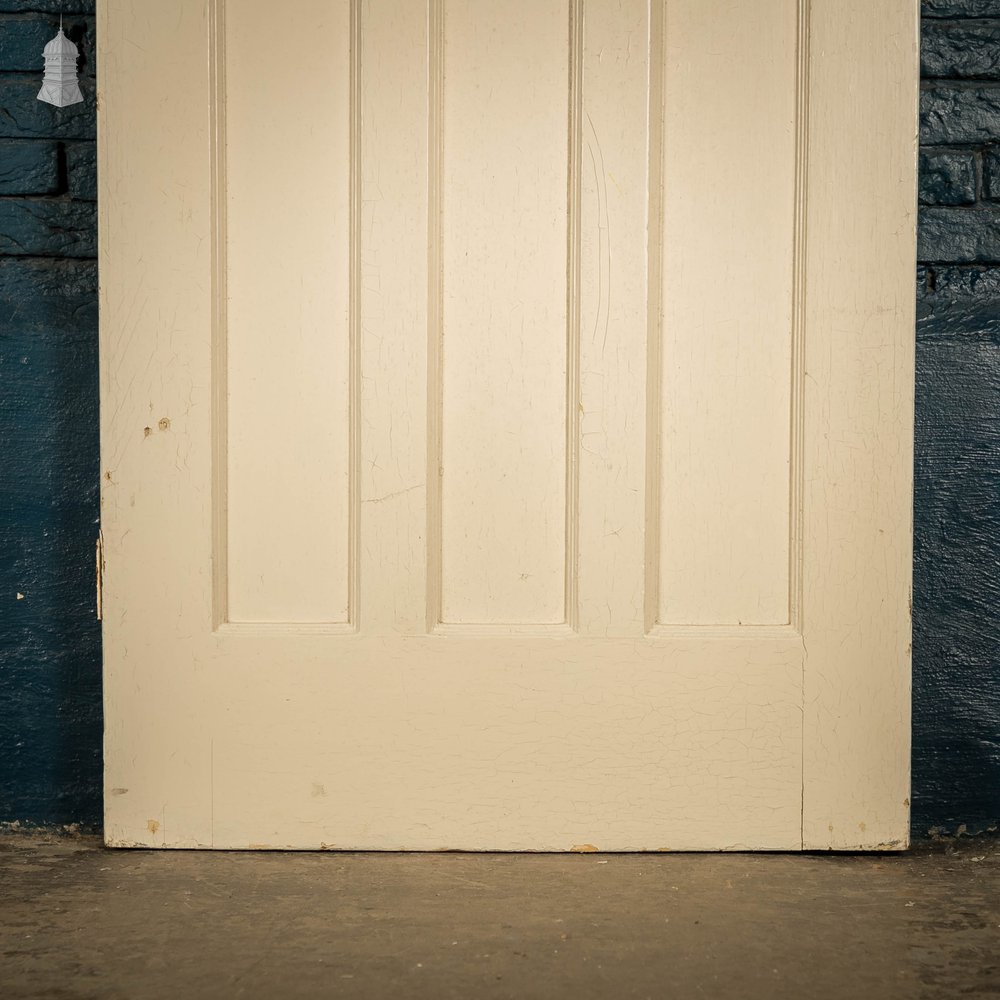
[81, 922]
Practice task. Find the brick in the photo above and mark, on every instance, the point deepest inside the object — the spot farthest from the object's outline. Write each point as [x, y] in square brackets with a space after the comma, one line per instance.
[960, 8]
[81, 167]
[28, 167]
[38, 227]
[49, 6]
[23, 116]
[57, 296]
[84, 33]
[947, 177]
[50, 687]
[971, 285]
[956, 599]
[956, 114]
[48, 399]
[24, 36]
[960, 303]
[49, 426]
[991, 174]
[959, 235]
[958, 321]
[960, 49]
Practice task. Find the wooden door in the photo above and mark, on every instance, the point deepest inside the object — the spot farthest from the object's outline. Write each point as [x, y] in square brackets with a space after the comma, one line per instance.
[507, 414]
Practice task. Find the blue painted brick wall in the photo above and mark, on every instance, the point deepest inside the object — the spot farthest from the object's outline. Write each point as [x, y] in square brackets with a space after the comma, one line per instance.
[956, 596]
[50, 711]
[50, 684]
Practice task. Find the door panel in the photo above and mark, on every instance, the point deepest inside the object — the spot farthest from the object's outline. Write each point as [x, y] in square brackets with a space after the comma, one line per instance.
[729, 185]
[468, 482]
[288, 317]
[502, 192]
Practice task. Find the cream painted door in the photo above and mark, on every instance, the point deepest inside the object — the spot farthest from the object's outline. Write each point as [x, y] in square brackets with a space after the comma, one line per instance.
[507, 423]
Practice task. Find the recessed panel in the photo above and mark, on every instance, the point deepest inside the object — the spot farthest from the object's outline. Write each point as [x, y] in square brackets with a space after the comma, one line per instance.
[503, 338]
[728, 240]
[288, 253]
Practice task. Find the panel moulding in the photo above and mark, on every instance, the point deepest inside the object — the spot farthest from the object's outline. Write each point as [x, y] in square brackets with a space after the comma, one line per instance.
[657, 234]
[220, 341]
[435, 371]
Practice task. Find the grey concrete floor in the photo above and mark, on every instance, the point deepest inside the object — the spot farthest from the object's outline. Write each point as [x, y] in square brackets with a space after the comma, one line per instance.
[79, 921]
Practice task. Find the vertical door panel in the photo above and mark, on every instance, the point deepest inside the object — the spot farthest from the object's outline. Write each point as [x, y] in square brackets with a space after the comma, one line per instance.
[288, 273]
[393, 296]
[613, 544]
[728, 239]
[504, 157]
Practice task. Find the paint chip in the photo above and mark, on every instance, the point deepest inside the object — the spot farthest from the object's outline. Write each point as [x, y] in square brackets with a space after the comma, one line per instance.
[164, 424]
[584, 849]
[20, 596]
[152, 825]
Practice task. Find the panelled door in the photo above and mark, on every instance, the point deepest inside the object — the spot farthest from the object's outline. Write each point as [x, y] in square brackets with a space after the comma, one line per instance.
[507, 423]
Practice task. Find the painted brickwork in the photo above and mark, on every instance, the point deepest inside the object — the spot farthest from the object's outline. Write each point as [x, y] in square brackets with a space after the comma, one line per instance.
[50, 720]
[50, 692]
[956, 599]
